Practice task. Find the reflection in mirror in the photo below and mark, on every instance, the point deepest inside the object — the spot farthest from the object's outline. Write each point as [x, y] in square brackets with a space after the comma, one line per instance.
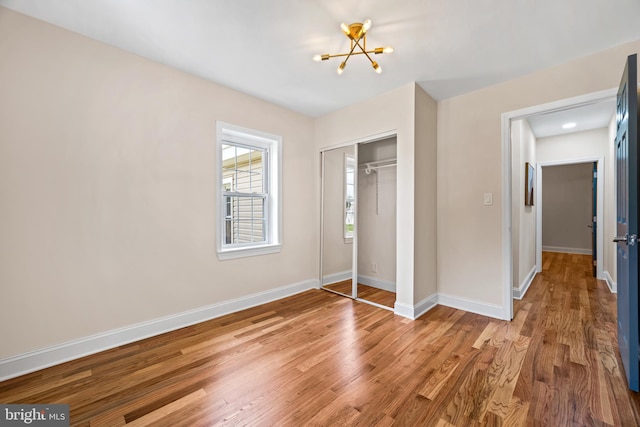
[349, 195]
[376, 241]
[338, 219]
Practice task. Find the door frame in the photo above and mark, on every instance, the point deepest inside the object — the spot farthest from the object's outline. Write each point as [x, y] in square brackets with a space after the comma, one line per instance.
[506, 118]
[599, 209]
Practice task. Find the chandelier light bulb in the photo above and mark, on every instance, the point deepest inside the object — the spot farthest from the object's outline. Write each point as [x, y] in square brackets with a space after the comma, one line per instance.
[341, 67]
[376, 67]
[317, 58]
[366, 26]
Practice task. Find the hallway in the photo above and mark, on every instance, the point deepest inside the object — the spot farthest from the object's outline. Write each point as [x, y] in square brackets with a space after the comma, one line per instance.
[572, 373]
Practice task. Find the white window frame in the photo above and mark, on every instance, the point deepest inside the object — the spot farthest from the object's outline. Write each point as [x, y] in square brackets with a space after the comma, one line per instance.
[273, 206]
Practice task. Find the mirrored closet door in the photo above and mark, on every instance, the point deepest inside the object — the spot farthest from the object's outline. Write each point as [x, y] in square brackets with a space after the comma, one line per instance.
[359, 221]
[338, 220]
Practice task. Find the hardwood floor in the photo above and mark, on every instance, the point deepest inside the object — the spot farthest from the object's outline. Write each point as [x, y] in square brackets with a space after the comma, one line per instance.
[321, 359]
[369, 293]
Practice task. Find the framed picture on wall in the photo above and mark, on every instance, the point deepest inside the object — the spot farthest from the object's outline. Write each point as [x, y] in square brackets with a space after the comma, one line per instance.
[529, 181]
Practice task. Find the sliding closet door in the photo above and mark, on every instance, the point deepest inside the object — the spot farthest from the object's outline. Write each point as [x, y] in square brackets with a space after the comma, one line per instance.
[339, 170]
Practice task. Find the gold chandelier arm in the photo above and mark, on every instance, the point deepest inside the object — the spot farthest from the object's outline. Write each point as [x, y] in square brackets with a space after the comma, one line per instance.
[357, 42]
[337, 55]
[374, 64]
[344, 63]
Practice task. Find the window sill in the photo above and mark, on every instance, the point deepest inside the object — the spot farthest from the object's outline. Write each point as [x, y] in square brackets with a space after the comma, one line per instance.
[247, 252]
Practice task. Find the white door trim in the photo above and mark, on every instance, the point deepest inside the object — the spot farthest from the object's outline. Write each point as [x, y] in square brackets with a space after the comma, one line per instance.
[365, 139]
[506, 118]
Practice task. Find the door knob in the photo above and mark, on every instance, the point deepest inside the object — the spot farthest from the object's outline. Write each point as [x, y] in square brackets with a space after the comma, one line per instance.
[628, 239]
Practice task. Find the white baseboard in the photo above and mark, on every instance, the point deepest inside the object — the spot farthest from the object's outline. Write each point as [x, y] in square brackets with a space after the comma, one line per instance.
[519, 292]
[336, 277]
[579, 251]
[613, 286]
[481, 308]
[377, 283]
[425, 305]
[35, 360]
[403, 310]
[413, 312]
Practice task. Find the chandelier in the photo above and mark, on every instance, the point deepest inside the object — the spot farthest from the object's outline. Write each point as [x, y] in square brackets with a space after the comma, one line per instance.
[357, 34]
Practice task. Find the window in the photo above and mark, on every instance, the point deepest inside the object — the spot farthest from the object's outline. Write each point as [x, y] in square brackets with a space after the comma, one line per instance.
[248, 192]
[349, 195]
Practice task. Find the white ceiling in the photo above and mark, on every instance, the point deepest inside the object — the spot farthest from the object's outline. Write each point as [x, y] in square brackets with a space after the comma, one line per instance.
[592, 116]
[264, 47]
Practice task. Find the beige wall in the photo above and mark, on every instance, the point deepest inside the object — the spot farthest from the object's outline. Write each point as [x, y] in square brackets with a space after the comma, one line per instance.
[107, 185]
[425, 164]
[377, 229]
[567, 208]
[588, 144]
[469, 164]
[523, 146]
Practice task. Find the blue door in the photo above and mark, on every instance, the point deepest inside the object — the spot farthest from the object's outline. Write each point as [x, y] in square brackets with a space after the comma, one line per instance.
[627, 220]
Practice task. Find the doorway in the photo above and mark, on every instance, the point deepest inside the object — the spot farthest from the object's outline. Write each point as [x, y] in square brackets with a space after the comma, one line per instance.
[512, 286]
[571, 208]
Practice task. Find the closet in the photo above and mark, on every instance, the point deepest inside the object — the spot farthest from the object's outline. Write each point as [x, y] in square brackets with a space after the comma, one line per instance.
[358, 221]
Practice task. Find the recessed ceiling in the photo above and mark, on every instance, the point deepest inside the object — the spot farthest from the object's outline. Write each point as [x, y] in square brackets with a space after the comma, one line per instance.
[586, 117]
[264, 47]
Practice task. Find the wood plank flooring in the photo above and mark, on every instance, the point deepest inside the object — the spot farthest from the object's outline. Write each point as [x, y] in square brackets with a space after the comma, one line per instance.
[321, 359]
[369, 293]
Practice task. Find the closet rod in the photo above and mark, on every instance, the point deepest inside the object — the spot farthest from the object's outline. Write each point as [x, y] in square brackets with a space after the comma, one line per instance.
[378, 165]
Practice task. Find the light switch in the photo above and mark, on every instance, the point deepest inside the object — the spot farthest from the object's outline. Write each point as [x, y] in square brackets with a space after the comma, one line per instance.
[488, 199]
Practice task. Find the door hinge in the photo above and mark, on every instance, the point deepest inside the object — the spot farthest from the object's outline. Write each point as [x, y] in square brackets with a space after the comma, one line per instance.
[595, 174]
[595, 263]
